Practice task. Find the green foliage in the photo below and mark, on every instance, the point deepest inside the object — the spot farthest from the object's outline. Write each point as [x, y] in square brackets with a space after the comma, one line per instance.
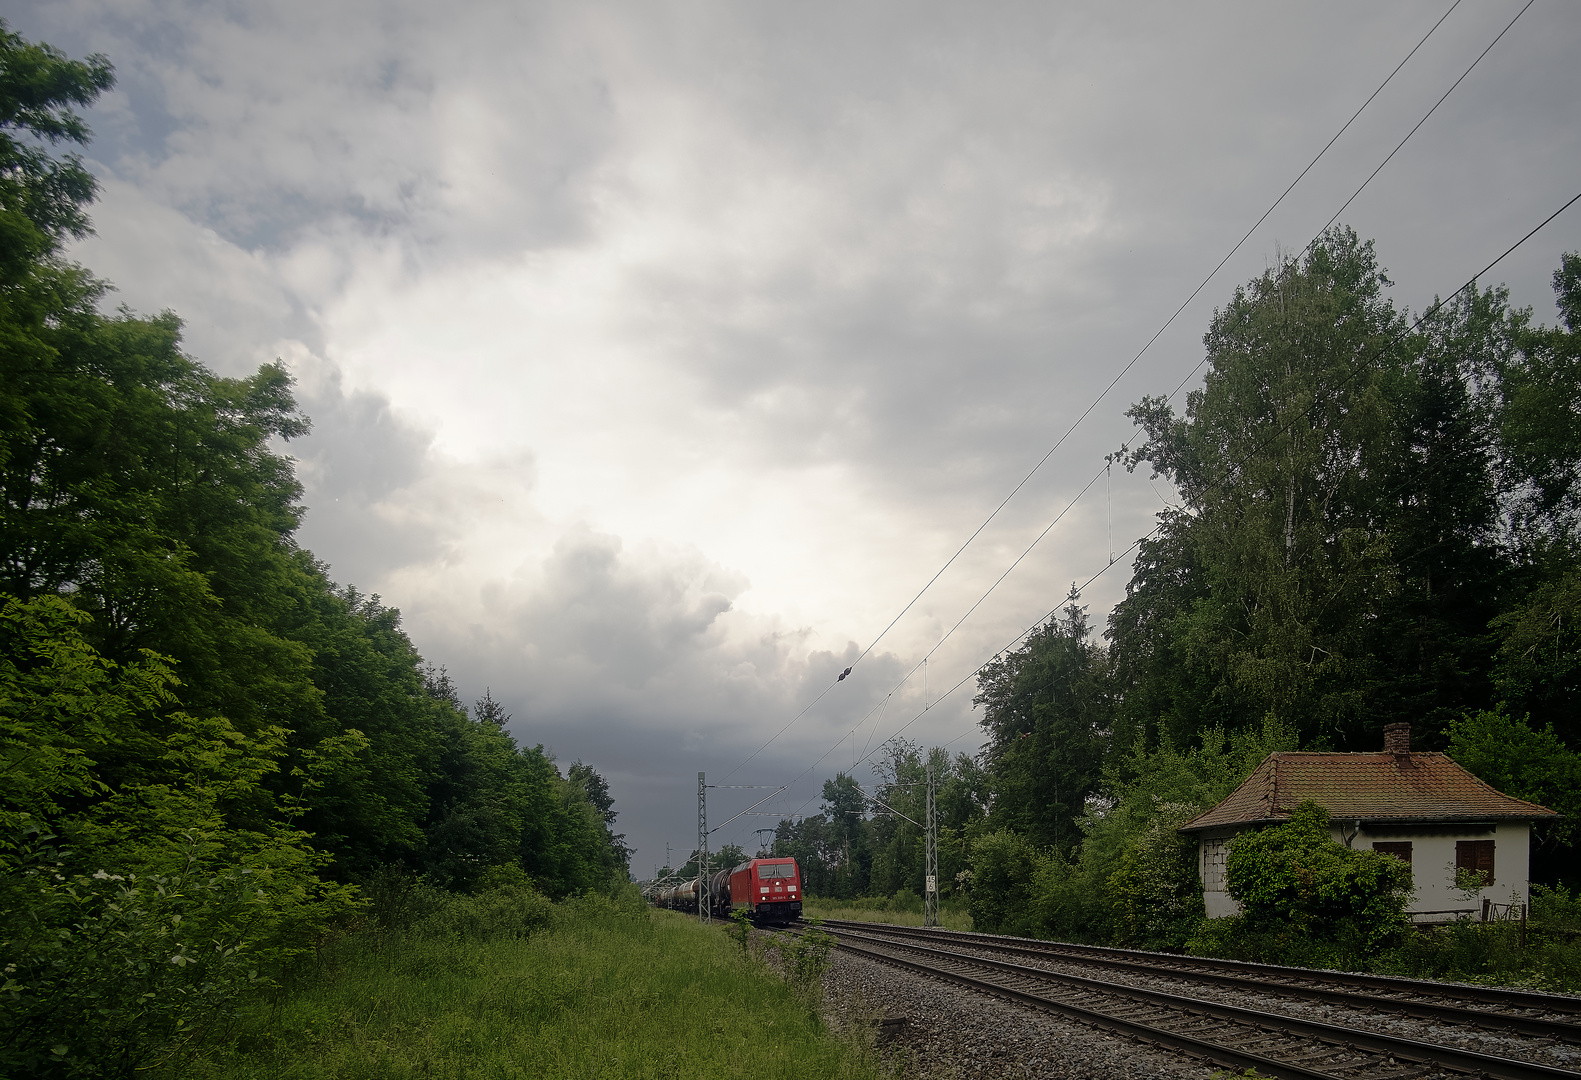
[1273, 567]
[204, 741]
[856, 847]
[1294, 879]
[176, 880]
[602, 990]
[63, 706]
[1512, 757]
[1003, 866]
[106, 973]
[804, 957]
[1156, 893]
[1539, 654]
[1492, 953]
[1045, 711]
[41, 196]
[740, 928]
[504, 905]
[1134, 880]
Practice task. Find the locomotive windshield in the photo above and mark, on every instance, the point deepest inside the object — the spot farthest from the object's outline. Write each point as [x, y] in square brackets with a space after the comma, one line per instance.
[783, 870]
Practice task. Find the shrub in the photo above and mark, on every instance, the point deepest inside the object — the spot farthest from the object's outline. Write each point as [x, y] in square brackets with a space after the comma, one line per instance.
[1492, 952]
[1003, 867]
[504, 912]
[105, 974]
[1294, 880]
[1157, 893]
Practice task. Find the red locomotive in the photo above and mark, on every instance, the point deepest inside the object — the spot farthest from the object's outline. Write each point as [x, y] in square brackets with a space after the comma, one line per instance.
[769, 890]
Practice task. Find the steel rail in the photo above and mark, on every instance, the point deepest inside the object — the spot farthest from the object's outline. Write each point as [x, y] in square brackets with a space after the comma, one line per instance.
[1433, 1055]
[1229, 1057]
[1561, 1030]
[1498, 996]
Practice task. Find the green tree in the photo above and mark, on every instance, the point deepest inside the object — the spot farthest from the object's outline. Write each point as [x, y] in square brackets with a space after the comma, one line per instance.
[1004, 866]
[1528, 763]
[898, 844]
[137, 910]
[41, 196]
[1274, 464]
[1046, 715]
[808, 840]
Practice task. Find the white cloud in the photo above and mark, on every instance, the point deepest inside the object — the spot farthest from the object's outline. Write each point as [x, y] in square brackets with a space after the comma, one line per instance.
[658, 352]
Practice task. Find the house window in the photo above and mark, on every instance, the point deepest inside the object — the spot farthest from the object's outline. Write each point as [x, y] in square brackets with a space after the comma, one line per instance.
[1475, 855]
[1399, 849]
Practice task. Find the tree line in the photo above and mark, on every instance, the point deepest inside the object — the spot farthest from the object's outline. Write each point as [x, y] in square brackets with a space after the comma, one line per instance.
[206, 744]
[1377, 518]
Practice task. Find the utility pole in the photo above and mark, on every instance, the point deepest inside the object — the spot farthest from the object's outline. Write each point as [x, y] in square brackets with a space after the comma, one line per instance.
[704, 915]
[930, 884]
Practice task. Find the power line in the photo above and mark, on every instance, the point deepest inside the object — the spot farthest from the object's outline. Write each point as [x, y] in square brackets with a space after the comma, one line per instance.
[1429, 112]
[1309, 247]
[1132, 363]
[1399, 336]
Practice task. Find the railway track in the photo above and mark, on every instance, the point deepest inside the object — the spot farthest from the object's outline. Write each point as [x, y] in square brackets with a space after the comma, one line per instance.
[1274, 1043]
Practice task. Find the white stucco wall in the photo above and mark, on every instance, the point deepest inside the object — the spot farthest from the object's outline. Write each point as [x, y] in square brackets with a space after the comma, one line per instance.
[1432, 865]
[1433, 862]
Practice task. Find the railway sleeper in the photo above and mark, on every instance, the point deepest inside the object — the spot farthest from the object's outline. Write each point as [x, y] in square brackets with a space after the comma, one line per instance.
[1561, 1005]
[1374, 1003]
[1380, 1046]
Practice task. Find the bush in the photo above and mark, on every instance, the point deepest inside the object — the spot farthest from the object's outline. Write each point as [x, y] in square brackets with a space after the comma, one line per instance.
[1298, 887]
[1157, 893]
[504, 904]
[508, 911]
[106, 974]
[1492, 953]
[1003, 867]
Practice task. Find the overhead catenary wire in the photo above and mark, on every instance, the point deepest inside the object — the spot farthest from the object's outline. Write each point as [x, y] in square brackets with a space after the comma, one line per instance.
[1060, 441]
[1399, 336]
[1309, 247]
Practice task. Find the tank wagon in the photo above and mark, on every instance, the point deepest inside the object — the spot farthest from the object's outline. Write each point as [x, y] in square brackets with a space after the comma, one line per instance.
[769, 890]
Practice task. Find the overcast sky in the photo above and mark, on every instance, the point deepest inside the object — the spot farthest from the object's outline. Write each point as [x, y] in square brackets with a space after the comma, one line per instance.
[658, 354]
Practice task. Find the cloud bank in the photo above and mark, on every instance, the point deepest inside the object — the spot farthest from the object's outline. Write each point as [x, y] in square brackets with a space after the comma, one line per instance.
[658, 355]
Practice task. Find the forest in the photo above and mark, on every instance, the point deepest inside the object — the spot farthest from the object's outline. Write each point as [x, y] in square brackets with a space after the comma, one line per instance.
[1376, 521]
[211, 754]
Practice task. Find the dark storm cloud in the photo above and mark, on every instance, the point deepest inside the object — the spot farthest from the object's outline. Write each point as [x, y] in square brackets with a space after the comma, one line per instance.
[552, 274]
[360, 461]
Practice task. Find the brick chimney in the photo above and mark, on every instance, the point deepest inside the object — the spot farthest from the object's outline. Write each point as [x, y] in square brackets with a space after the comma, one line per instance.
[1397, 739]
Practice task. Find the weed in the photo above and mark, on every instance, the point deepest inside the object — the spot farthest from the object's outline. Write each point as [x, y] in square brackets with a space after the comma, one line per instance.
[741, 929]
[602, 988]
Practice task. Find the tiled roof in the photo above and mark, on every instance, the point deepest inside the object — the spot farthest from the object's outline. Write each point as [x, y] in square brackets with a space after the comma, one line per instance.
[1371, 787]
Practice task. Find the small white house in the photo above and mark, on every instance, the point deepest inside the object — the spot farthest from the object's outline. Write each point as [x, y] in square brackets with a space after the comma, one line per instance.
[1421, 808]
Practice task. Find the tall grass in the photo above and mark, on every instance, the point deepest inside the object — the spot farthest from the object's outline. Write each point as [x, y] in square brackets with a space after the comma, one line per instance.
[1467, 950]
[902, 909]
[601, 988]
[1492, 953]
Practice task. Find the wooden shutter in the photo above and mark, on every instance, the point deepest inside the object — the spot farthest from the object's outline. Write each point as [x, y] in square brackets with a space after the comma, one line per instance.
[1475, 855]
[1399, 849]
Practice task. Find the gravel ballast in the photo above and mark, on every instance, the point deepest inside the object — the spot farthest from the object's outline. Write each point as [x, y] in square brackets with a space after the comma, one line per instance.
[950, 1031]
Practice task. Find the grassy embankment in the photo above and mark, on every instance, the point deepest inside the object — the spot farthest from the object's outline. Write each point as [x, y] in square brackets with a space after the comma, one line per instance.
[902, 909]
[599, 988]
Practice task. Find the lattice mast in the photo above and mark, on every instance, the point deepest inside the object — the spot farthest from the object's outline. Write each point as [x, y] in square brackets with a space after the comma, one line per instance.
[704, 914]
[930, 884]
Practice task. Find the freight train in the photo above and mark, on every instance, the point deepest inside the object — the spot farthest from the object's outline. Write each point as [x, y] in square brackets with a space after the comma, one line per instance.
[769, 890]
